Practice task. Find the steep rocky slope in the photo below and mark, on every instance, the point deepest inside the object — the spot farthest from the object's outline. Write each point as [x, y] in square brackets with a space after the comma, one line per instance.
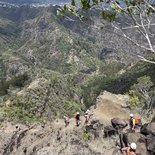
[52, 137]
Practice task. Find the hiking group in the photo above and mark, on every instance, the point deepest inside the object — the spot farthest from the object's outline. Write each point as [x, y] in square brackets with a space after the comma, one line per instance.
[133, 123]
[77, 118]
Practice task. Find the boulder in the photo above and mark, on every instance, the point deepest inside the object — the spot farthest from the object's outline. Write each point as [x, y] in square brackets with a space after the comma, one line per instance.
[150, 143]
[148, 128]
[109, 131]
[123, 140]
[93, 125]
[151, 128]
[94, 128]
[143, 129]
[118, 123]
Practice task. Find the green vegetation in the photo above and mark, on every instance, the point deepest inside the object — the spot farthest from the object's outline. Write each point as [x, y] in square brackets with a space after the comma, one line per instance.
[21, 115]
[139, 92]
[123, 83]
[85, 136]
[48, 69]
[71, 107]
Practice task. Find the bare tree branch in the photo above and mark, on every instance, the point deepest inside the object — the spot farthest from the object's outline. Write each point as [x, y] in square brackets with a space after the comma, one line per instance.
[146, 60]
[136, 26]
[146, 33]
[130, 39]
[140, 18]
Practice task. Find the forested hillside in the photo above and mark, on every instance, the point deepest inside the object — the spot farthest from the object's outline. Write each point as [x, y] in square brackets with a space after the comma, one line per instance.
[96, 65]
[50, 62]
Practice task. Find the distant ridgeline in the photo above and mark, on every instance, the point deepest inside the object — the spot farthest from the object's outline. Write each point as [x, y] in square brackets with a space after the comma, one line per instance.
[35, 1]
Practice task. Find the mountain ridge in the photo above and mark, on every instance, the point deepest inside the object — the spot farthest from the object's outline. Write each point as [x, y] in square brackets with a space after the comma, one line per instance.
[34, 1]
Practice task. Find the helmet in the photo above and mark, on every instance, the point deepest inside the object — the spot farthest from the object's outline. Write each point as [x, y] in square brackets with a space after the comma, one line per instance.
[78, 113]
[133, 146]
[88, 111]
[131, 115]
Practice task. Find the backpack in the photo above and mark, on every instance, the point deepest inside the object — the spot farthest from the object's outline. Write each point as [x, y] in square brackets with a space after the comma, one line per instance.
[137, 120]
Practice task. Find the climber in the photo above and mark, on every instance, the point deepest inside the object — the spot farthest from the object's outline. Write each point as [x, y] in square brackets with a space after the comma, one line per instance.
[132, 122]
[66, 120]
[129, 150]
[87, 115]
[77, 118]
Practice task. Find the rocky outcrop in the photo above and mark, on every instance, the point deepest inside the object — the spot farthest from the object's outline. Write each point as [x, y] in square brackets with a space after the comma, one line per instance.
[94, 128]
[96, 137]
[109, 131]
[150, 144]
[119, 123]
[55, 139]
[148, 128]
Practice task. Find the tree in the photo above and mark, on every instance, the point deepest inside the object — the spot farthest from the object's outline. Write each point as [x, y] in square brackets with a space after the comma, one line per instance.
[140, 91]
[139, 15]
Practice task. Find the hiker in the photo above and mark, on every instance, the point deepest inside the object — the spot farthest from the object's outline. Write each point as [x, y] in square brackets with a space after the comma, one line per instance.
[129, 150]
[77, 118]
[66, 120]
[132, 122]
[87, 115]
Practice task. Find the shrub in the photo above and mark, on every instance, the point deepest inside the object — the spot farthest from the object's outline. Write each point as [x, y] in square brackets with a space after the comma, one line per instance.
[85, 136]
